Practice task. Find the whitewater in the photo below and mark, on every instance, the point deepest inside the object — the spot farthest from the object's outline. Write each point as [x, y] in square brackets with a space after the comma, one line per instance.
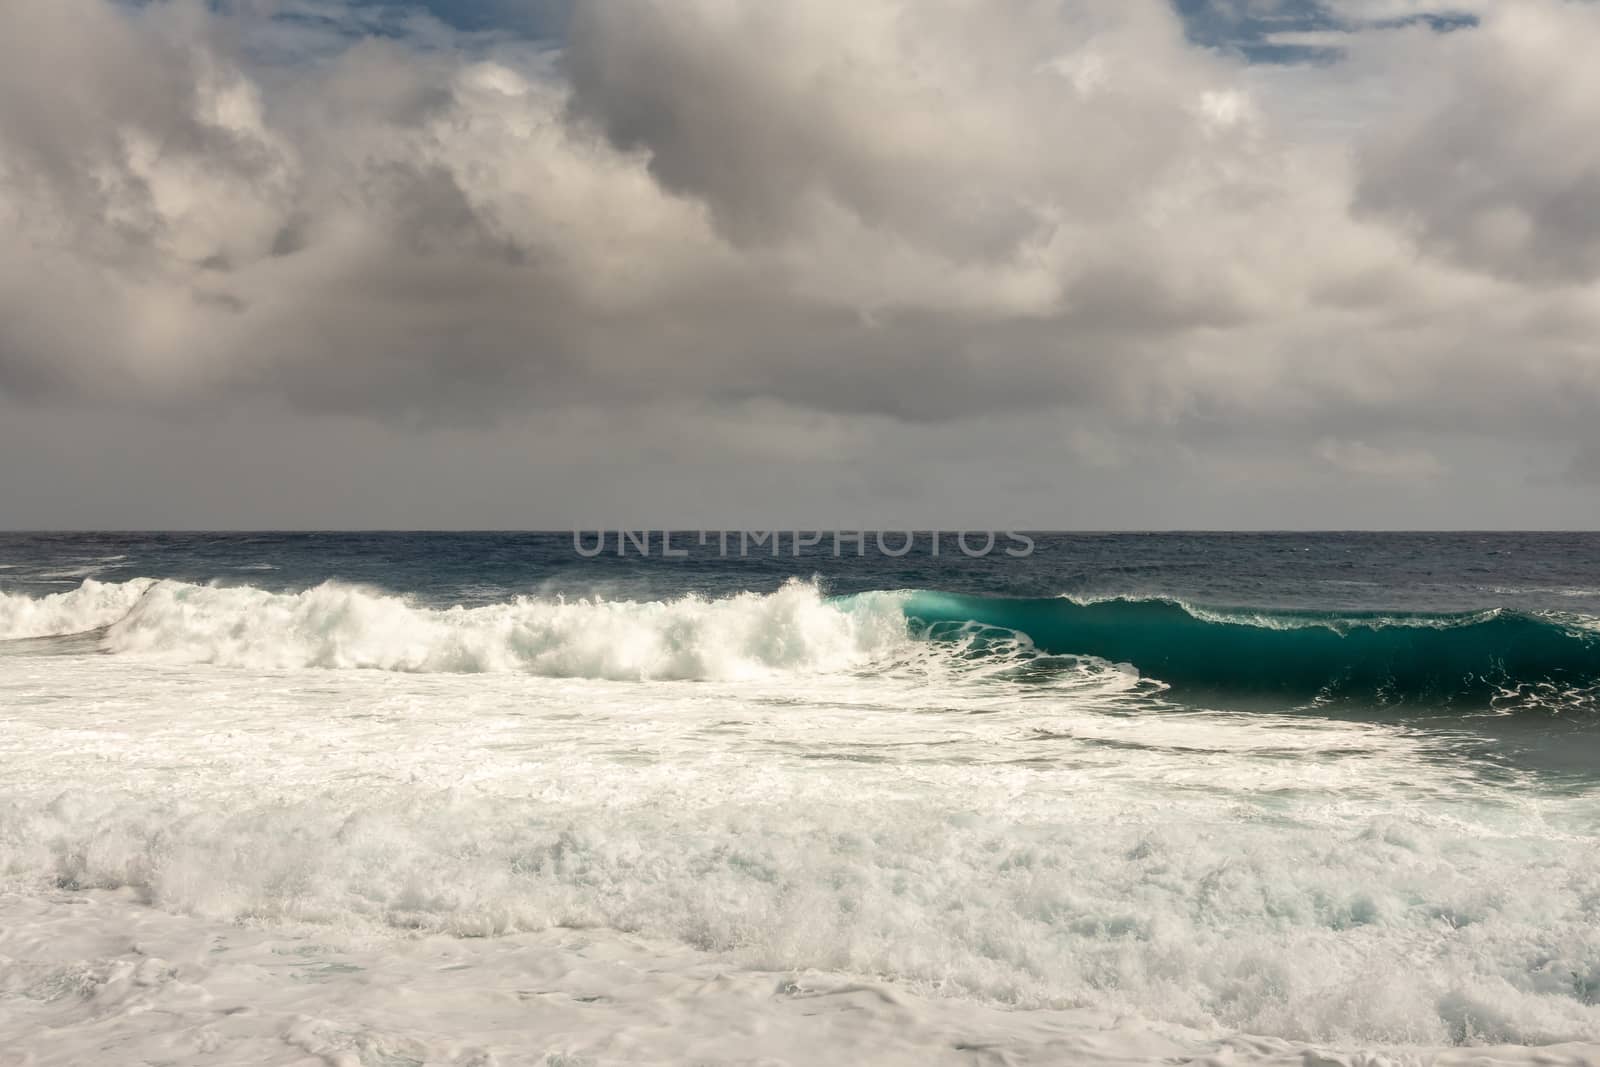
[491, 813]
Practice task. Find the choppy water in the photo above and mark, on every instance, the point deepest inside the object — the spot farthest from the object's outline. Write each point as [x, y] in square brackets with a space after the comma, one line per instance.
[1331, 790]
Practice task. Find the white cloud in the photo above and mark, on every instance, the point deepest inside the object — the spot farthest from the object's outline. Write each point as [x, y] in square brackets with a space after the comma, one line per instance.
[1492, 161]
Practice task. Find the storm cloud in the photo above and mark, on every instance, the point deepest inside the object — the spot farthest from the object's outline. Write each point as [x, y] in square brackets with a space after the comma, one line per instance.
[914, 227]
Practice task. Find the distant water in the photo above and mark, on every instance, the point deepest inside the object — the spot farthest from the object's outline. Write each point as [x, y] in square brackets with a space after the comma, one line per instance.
[1381, 572]
[1332, 790]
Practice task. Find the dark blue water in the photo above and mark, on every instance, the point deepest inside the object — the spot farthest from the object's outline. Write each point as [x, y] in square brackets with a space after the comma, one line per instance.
[1334, 572]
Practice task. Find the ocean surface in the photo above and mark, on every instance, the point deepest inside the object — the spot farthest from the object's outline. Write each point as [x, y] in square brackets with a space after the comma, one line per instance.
[403, 799]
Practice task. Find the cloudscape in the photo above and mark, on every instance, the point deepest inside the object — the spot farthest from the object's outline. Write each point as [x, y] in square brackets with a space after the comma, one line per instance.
[1109, 263]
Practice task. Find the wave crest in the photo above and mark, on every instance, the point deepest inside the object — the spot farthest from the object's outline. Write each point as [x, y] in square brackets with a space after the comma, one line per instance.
[332, 625]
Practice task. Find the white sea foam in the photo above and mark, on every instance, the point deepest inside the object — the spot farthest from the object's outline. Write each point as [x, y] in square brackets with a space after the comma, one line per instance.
[1001, 845]
[794, 858]
[795, 630]
[88, 607]
[96, 978]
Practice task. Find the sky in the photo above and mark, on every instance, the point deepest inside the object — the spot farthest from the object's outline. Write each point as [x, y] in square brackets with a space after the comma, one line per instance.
[1006, 264]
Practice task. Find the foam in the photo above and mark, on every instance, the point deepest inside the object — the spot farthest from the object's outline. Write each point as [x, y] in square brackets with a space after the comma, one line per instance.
[795, 630]
[97, 978]
[1392, 931]
[88, 607]
[998, 849]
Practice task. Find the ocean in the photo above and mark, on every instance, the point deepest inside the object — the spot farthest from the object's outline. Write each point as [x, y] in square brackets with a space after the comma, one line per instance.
[402, 799]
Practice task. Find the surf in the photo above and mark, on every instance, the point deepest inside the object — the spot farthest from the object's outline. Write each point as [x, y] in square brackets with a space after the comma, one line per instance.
[1473, 658]
[1486, 659]
[91, 606]
[795, 630]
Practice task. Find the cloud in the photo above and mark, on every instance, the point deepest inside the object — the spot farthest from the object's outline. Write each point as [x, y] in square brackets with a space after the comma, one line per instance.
[1491, 163]
[937, 125]
[931, 213]
[1361, 460]
[400, 226]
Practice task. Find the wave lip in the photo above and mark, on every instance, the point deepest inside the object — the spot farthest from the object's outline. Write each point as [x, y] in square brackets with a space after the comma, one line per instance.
[1385, 658]
[794, 630]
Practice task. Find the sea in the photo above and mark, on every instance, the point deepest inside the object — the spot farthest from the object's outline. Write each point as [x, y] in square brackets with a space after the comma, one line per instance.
[395, 799]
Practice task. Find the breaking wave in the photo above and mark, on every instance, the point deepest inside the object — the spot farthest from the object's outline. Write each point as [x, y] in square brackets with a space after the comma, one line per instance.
[88, 607]
[1476, 658]
[1480, 659]
[337, 626]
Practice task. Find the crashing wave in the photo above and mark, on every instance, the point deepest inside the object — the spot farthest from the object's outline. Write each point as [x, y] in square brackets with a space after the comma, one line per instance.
[1413, 658]
[1480, 659]
[88, 607]
[332, 625]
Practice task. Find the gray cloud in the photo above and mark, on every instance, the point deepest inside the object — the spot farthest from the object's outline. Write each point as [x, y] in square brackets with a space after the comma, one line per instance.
[1492, 162]
[913, 221]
